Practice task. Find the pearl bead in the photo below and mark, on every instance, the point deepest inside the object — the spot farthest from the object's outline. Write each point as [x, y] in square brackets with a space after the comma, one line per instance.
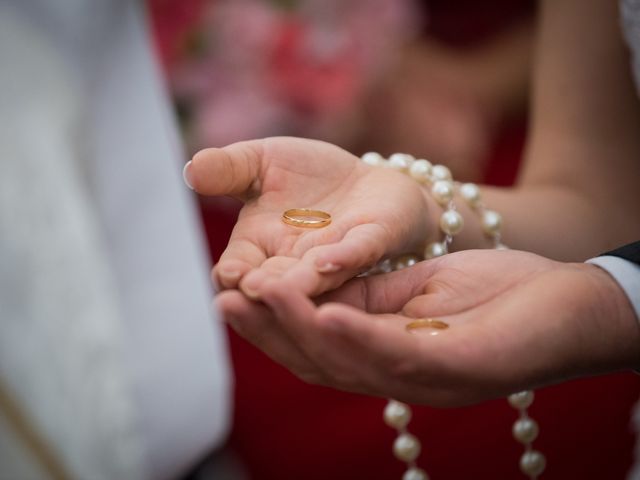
[420, 170]
[451, 222]
[406, 447]
[471, 193]
[415, 473]
[525, 430]
[435, 249]
[521, 400]
[397, 414]
[442, 191]
[385, 266]
[405, 261]
[372, 158]
[491, 222]
[440, 172]
[532, 463]
[400, 161]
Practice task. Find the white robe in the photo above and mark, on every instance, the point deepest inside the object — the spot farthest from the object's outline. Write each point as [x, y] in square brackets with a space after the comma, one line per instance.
[107, 344]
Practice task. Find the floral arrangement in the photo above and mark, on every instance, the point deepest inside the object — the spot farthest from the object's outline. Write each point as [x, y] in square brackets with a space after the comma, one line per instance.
[255, 68]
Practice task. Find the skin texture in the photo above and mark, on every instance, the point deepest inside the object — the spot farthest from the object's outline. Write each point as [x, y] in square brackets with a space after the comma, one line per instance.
[485, 297]
[517, 320]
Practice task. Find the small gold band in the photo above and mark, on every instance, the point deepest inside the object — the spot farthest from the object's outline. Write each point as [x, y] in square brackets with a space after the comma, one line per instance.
[427, 323]
[306, 218]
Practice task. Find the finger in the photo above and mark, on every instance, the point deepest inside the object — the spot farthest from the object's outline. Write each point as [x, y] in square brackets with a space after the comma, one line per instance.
[295, 314]
[255, 237]
[256, 324]
[385, 293]
[304, 277]
[451, 293]
[256, 267]
[271, 268]
[327, 266]
[240, 256]
[383, 334]
[232, 170]
[294, 311]
[361, 247]
[250, 247]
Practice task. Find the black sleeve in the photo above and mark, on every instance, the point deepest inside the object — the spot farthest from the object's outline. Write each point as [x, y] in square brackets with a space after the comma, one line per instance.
[629, 252]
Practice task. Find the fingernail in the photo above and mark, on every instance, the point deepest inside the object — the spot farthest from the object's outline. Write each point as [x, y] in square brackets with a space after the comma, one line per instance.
[251, 293]
[327, 267]
[250, 289]
[230, 274]
[187, 175]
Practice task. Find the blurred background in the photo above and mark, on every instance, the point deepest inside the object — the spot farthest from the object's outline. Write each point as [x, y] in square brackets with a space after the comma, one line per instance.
[443, 80]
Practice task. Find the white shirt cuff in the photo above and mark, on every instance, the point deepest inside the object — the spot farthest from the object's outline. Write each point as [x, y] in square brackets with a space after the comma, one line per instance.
[626, 273]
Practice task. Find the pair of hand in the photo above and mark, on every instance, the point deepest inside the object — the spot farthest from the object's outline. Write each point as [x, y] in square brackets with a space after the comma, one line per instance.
[516, 320]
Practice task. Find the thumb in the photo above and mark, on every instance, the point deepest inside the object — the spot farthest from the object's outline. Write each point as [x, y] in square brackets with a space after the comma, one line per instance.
[385, 293]
[232, 170]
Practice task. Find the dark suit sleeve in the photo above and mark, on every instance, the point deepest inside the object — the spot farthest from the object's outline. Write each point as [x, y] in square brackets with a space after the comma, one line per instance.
[630, 252]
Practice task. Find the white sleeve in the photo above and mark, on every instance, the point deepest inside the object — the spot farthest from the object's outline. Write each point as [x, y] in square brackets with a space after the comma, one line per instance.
[176, 348]
[107, 341]
[626, 273]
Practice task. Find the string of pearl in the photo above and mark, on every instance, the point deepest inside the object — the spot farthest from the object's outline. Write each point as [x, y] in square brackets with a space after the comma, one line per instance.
[443, 188]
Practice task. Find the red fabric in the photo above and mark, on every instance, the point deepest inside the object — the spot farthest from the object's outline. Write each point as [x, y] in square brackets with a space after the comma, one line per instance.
[171, 22]
[504, 162]
[466, 22]
[310, 86]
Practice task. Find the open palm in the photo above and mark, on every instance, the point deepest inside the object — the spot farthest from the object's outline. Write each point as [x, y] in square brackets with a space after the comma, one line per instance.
[516, 320]
[375, 212]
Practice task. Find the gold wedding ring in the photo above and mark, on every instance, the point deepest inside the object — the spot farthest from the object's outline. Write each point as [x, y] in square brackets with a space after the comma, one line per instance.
[426, 323]
[306, 218]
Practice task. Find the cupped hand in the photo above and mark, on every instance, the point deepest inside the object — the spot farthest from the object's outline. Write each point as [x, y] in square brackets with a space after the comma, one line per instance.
[516, 321]
[375, 212]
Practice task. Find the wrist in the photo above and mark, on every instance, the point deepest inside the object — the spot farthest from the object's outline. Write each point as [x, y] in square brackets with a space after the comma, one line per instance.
[614, 314]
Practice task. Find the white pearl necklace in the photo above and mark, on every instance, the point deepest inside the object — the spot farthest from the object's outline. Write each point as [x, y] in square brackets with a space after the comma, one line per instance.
[438, 179]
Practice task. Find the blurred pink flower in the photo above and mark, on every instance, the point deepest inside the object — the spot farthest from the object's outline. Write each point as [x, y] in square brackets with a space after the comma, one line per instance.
[262, 70]
[171, 21]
